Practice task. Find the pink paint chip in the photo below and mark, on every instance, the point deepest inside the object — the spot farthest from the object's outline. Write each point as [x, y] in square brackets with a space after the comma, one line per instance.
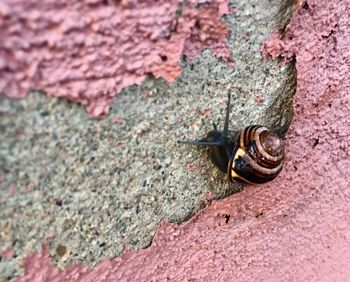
[192, 166]
[13, 188]
[8, 253]
[260, 101]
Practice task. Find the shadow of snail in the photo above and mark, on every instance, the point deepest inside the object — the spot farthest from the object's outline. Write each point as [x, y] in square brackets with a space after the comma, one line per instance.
[255, 157]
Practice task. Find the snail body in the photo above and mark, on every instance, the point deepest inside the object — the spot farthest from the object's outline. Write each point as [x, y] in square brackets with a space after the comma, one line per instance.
[255, 157]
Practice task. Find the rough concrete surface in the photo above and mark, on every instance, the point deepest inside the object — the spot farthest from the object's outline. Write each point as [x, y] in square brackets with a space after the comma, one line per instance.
[296, 228]
[88, 51]
[92, 188]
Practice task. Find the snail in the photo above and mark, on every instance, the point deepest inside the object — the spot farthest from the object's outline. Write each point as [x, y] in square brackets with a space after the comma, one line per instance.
[255, 157]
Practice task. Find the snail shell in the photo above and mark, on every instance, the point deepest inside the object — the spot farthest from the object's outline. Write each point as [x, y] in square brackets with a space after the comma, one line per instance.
[257, 156]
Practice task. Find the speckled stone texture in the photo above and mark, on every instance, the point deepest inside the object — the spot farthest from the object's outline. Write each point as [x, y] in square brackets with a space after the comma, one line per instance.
[88, 51]
[294, 229]
[91, 188]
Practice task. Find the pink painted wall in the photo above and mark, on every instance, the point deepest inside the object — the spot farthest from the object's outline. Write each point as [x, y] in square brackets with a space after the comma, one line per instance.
[296, 228]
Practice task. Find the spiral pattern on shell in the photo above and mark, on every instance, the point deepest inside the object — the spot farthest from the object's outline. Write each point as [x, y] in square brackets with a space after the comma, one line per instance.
[257, 156]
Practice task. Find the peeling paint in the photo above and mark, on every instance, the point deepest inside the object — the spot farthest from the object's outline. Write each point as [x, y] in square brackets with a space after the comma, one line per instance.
[89, 51]
[296, 228]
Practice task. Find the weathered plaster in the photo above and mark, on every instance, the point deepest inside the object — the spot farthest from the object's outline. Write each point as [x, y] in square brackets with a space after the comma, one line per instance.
[294, 229]
[88, 51]
[89, 188]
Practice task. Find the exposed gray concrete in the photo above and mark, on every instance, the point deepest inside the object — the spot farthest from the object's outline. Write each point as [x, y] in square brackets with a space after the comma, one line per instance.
[91, 187]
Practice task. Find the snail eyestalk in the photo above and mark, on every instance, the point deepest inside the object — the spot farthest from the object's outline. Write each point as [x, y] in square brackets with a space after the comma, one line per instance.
[201, 143]
[227, 118]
